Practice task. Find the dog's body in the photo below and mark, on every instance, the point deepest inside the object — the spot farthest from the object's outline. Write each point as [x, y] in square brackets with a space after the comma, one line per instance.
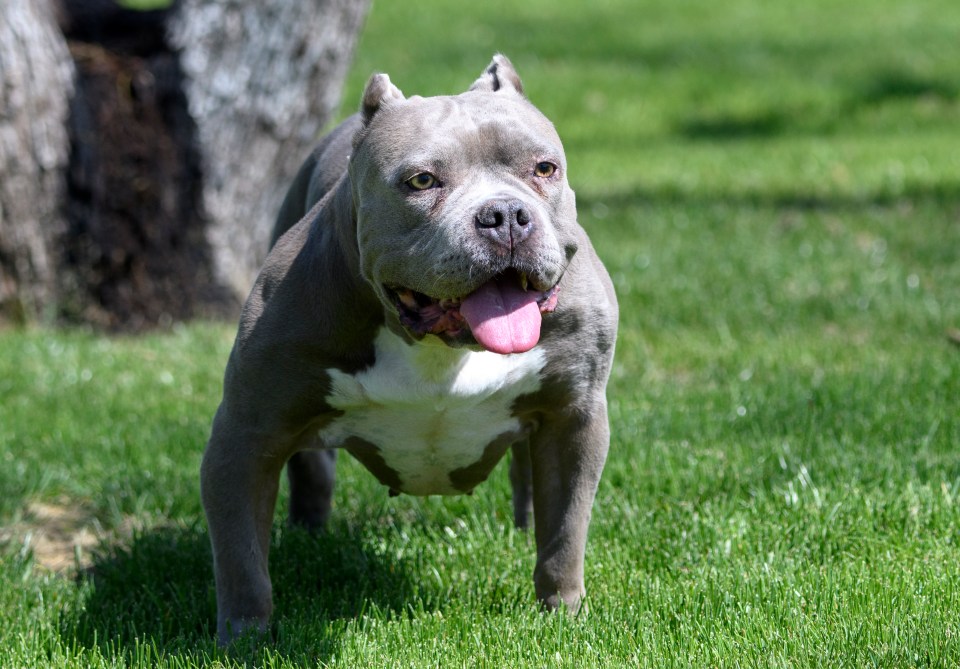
[429, 303]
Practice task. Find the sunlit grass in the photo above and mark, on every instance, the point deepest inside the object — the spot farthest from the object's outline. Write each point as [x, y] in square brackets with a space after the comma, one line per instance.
[775, 189]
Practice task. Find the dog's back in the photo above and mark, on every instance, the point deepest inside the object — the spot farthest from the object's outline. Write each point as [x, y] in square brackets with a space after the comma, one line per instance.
[317, 176]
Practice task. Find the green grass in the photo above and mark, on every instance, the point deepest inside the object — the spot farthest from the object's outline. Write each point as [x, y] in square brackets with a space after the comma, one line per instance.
[775, 188]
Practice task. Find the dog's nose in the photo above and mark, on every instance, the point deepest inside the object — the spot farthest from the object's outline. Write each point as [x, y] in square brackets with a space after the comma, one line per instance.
[506, 221]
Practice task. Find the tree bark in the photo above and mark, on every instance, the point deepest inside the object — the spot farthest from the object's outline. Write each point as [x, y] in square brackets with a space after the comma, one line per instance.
[36, 81]
[263, 79]
[117, 206]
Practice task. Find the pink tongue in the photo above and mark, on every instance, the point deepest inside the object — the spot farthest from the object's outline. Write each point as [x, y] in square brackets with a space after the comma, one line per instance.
[504, 318]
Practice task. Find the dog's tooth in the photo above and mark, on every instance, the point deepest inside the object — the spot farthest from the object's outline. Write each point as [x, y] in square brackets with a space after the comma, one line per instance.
[406, 297]
[524, 282]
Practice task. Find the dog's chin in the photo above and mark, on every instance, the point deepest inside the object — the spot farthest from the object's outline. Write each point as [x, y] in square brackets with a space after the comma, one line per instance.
[423, 316]
[459, 339]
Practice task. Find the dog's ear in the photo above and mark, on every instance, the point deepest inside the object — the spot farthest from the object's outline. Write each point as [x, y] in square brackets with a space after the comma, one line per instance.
[499, 76]
[378, 93]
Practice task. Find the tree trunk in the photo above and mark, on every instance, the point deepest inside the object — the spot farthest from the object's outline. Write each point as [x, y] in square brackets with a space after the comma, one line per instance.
[36, 81]
[148, 196]
[263, 78]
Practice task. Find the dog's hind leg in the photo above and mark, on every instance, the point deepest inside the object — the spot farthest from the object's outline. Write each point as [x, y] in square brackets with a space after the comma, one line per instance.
[521, 480]
[311, 475]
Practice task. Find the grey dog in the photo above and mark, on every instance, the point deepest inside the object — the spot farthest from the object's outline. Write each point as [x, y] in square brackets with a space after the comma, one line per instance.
[429, 303]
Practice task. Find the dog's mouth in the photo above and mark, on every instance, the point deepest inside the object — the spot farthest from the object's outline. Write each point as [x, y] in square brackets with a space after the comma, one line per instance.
[503, 315]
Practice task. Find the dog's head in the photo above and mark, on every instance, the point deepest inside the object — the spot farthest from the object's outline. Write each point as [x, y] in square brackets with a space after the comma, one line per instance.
[465, 219]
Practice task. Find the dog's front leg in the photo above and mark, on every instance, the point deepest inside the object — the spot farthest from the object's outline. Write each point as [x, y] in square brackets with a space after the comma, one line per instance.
[567, 455]
[239, 481]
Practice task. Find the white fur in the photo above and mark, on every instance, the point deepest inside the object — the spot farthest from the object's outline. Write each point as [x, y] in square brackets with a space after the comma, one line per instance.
[430, 408]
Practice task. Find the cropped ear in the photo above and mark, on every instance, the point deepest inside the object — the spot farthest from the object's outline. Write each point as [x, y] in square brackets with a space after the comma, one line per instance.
[379, 92]
[499, 76]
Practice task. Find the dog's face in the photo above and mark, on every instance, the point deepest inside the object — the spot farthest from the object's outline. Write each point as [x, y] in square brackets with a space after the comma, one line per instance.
[465, 219]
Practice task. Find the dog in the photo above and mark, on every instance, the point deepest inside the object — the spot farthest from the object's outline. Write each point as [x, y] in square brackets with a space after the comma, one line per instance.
[430, 302]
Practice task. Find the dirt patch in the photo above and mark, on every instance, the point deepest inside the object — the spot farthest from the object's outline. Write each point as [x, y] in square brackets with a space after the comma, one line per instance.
[953, 336]
[61, 535]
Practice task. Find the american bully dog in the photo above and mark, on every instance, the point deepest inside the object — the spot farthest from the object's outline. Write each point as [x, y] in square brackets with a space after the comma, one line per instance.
[429, 303]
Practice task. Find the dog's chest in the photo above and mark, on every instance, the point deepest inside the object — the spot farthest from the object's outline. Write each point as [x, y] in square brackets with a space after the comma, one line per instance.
[429, 409]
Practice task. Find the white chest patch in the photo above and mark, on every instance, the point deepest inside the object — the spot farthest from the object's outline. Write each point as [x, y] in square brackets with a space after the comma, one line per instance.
[429, 408]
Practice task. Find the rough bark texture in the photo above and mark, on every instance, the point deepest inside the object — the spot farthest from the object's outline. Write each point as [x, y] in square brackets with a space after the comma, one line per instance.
[135, 253]
[131, 196]
[36, 81]
[263, 78]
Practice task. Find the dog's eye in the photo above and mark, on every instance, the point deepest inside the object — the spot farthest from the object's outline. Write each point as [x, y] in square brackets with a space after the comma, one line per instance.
[422, 181]
[544, 170]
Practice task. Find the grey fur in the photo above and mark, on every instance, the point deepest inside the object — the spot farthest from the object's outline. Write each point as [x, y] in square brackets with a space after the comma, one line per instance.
[348, 229]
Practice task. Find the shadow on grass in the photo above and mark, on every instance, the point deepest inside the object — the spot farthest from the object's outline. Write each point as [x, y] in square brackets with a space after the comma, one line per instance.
[764, 122]
[157, 592]
[903, 85]
[944, 191]
[717, 127]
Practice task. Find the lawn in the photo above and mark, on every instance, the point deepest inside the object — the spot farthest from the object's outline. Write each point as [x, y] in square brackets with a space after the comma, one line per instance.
[775, 189]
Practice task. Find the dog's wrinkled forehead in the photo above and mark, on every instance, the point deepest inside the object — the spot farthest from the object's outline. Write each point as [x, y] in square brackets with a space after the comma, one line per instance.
[469, 127]
[493, 116]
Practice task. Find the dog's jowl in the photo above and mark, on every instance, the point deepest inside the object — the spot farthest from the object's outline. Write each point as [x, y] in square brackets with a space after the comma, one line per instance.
[430, 302]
